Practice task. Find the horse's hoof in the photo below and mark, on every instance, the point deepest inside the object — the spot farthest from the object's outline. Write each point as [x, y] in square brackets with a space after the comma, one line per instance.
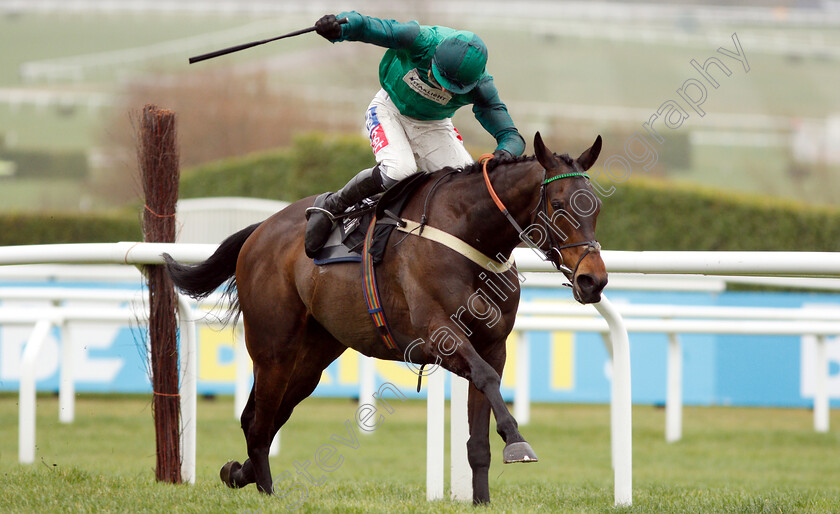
[518, 452]
[228, 469]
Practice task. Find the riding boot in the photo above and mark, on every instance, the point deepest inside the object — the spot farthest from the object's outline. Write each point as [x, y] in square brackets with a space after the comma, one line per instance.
[319, 224]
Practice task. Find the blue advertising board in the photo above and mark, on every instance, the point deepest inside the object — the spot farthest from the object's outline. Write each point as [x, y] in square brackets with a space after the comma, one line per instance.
[564, 366]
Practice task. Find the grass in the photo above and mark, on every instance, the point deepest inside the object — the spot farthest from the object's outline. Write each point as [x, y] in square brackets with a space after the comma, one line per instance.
[730, 460]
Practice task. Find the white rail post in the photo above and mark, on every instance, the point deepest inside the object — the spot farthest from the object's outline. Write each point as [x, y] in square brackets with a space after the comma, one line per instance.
[243, 373]
[673, 399]
[460, 475]
[821, 400]
[66, 386]
[622, 412]
[522, 392]
[188, 391]
[367, 381]
[434, 434]
[26, 405]
[274, 449]
[607, 339]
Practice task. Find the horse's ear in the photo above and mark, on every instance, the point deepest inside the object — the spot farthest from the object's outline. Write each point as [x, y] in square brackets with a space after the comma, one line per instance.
[544, 155]
[590, 155]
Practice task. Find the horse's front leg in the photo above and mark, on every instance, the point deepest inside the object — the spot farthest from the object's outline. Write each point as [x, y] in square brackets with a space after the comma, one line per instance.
[458, 355]
[488, 381]
[478, 445]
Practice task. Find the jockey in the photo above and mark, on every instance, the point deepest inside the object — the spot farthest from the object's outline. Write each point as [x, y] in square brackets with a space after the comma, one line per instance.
[426, 74]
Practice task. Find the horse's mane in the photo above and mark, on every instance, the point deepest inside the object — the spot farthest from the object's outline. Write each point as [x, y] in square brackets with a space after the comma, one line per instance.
[477, 167]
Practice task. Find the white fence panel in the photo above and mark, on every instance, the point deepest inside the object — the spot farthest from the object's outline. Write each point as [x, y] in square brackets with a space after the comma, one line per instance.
[707, 263]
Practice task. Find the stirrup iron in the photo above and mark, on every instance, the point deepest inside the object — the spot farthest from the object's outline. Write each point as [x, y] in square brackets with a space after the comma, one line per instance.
[328, 214]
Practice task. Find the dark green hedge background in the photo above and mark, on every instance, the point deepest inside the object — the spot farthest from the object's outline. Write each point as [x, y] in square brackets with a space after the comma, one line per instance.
[654, 215]
[53, 228]
[642, 214]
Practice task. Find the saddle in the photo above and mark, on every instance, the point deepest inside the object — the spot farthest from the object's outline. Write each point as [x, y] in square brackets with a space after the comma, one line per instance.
[347, 238]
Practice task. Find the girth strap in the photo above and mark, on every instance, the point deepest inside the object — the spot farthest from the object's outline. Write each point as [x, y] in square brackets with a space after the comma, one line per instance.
[372, 291]
[456, 244]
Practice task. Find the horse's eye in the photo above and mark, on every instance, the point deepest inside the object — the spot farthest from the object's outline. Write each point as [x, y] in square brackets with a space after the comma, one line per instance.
[557, 205]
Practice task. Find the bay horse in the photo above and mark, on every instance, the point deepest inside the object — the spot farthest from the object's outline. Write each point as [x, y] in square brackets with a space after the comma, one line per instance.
[299, 317]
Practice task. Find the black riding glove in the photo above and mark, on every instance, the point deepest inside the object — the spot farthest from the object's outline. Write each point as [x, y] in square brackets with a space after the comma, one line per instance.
[502, 155]
[328, 27]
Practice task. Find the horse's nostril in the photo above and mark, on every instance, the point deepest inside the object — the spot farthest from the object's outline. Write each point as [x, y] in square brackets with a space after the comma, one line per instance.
[585, 282]
[590, 284]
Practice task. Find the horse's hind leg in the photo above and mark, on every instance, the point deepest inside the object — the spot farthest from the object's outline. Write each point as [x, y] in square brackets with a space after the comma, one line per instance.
[316, 352]
[273, 343]
[319, 350]
[234, 474]
[270, 381]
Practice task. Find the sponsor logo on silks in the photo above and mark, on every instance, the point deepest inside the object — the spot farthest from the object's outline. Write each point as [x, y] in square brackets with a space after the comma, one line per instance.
[378, 141]
[371, 119]
[458, 135]
[412, 78]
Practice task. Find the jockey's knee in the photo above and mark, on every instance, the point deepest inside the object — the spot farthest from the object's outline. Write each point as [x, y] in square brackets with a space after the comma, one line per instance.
[383, 180]
[393, 173]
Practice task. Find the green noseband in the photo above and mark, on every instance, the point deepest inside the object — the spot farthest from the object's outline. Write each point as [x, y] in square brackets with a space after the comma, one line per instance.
[565, 175]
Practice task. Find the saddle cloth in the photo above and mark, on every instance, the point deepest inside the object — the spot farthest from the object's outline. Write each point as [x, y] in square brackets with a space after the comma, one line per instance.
[348, 235]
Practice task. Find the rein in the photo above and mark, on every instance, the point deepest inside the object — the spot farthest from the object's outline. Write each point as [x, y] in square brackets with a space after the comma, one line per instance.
[592, 246]
[484, 159]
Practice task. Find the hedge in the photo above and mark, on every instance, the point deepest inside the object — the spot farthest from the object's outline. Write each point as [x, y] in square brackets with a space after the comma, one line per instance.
[643, 214]
[54, 228]
[314, 164]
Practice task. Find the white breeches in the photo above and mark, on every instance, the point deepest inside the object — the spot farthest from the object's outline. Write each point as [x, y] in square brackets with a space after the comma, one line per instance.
[404, 145]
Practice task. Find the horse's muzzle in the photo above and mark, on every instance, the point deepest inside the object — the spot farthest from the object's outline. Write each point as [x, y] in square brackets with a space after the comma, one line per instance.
[587, 287]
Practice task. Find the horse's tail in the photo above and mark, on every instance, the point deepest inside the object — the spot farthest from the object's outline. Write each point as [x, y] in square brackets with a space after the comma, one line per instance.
[199, 280]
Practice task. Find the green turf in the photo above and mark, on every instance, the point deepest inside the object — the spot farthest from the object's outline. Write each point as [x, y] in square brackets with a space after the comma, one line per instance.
[730, 460]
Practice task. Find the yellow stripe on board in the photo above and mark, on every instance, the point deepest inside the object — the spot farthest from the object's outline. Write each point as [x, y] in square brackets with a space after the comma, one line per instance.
[326, 379]
[562, 371]
[399, 373]
[348, 368]
[509, 374]
[562, 361]
[213, 342]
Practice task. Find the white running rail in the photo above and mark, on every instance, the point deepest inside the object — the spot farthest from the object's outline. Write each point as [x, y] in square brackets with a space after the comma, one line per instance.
[706, 263]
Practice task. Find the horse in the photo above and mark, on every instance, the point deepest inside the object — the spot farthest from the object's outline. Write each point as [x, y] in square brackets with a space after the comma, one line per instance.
[299, 317]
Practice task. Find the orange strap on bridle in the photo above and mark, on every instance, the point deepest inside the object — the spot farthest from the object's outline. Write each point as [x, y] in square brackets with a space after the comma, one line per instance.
[484, 159]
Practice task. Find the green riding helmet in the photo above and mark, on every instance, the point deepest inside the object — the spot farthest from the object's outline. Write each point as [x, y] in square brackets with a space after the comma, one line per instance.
[459, 61]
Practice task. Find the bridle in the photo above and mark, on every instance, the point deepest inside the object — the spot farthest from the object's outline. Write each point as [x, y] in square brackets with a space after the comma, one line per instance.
[554, 247]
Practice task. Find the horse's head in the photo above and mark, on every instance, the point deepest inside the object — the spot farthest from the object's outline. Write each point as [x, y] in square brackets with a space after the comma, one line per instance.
[568, 211]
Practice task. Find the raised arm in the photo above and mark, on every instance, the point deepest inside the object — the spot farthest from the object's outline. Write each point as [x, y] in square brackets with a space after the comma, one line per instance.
[493, 115]
[367, 29]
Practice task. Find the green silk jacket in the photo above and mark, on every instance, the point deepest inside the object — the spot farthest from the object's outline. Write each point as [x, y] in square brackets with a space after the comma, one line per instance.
[403, 74]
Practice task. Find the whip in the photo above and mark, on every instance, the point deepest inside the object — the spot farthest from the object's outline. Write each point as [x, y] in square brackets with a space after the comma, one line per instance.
[237, 48]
